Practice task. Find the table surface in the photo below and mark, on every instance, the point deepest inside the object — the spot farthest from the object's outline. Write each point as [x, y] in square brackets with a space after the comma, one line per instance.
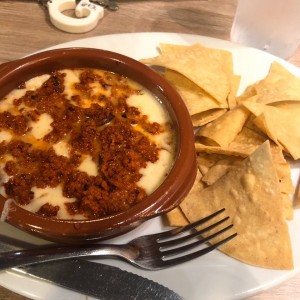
[25, 28]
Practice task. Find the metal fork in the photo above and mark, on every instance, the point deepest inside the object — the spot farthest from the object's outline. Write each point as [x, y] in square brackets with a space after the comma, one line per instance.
[151, 252]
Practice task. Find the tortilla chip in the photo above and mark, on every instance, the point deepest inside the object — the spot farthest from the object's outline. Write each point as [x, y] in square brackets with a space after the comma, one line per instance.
[203, 66]
[171, 48]
[251, 125]
[231, 128]
[233, 149]
[224, 130]
[249, 93]
[296, 202]
[175, 217]
[251, 196]
[205, 117]
[206, 161]
[232, 99]
[249, 138]
[220, 168]
[195, 99]
[281, 124]
[278, 85]
[283, 171]
[288, 209]
[244, 144]
[234, 80]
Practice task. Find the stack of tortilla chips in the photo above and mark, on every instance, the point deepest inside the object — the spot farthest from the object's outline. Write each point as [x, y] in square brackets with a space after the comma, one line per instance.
[242, 144]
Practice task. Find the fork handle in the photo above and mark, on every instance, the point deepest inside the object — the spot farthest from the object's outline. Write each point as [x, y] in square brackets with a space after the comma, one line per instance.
[37, 255]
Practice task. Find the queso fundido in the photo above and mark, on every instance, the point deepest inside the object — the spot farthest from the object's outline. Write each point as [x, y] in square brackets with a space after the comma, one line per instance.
[82, 144]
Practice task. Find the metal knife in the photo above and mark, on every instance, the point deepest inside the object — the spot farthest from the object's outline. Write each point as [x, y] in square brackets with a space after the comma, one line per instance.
[101, 281]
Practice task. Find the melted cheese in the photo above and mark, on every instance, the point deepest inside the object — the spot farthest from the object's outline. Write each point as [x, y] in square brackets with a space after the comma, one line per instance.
[149, 106]
[5, 136]
[7, 103]
[31, 85]
[71, 77]
[3, 179]
[88, 166]
[62, 148]
[155, 173]
[53, 196]
[42, 127]
[36, 82]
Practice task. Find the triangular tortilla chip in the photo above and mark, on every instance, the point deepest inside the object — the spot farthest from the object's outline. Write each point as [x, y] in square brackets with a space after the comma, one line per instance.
[251, 196]
[280, 123]
[176, 217]
[213, 166]
[278, 85]
[201, 65]
[195, 99]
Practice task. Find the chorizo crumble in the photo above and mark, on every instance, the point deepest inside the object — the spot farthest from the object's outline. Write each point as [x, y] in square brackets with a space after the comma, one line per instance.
[94, 121]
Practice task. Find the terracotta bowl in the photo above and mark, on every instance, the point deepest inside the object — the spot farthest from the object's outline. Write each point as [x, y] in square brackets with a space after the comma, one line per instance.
[169, 194]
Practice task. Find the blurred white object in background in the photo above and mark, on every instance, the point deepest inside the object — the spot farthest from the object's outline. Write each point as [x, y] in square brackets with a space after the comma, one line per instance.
[87, 15]
[270, 25]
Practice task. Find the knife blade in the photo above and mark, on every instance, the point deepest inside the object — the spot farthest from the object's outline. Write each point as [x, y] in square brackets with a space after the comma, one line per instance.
[95, 279]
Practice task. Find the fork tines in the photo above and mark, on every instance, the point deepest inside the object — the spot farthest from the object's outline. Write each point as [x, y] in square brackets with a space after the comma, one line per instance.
[175, 242]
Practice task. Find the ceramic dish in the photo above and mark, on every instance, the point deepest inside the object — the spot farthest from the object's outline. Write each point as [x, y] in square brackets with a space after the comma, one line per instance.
[167, 196]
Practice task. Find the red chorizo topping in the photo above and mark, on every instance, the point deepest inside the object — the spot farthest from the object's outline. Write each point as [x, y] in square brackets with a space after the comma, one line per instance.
[18, 149]
[18, 124]
[76, 183]
[48, 98]
[102, 128]
[19, 188]
[48, 210]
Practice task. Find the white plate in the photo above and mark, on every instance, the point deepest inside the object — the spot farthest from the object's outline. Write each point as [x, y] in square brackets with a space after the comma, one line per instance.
[214, 276]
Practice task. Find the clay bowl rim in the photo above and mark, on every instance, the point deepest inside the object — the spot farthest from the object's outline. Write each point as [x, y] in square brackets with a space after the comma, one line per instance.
[167, 196]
